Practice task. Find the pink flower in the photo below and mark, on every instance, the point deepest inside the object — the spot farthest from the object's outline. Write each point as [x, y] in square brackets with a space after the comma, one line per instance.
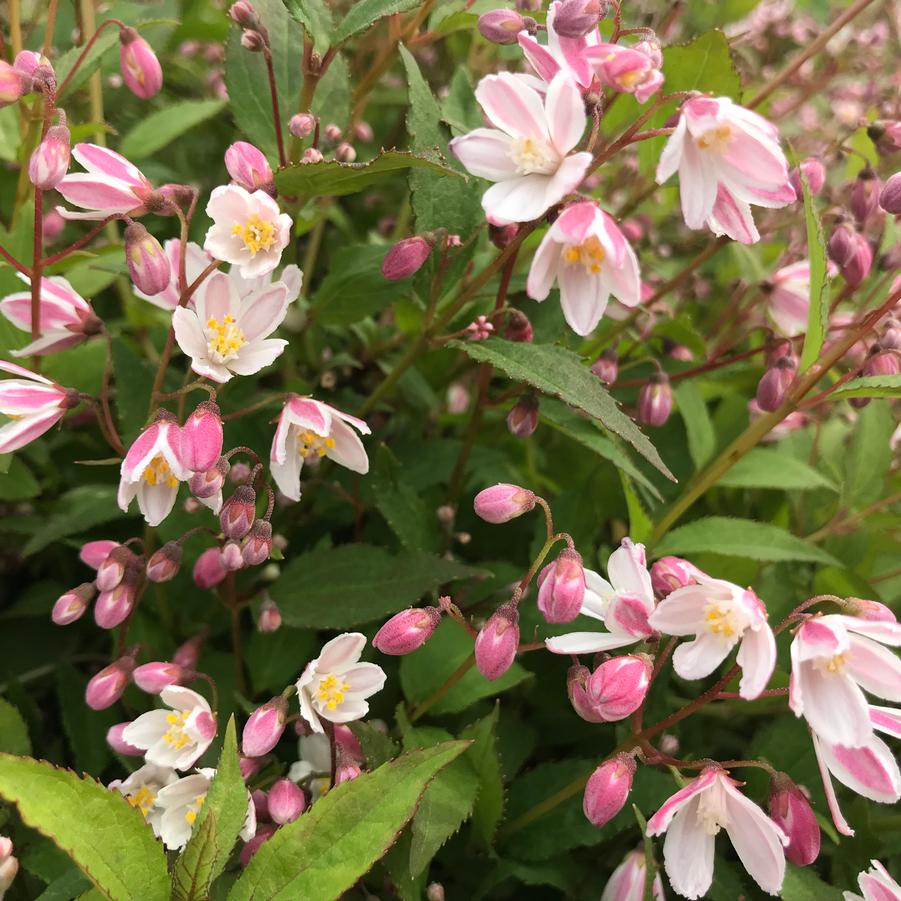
[308, 427]
[627, 69]
[141, 69]
[111, 185]
[616, 689]
[50, 159]
[152, 469]
[202, 437]
[502, 502]
[248, 167]
[720, 615]
[834, 659]
[528, 151]
[586, 254]
[607, 789]
[789, 299]
[876, 885]
[248, 229]
[623, 604]
[728, 158]
[196, 260]
[629, 880]
[32, 403]
[66, 319]
[12, 83]
[693, 816]
[497, 642]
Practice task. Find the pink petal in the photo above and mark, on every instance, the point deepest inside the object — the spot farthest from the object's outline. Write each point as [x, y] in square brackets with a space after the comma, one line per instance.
[108, 163]
[93, 192]
[757, 659]
[485, 152]
[513, 107]
[261, 314]
[565, 113]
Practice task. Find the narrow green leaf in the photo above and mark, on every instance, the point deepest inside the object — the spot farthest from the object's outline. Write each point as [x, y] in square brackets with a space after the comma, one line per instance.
[818, 309]
[766, 467]
[13, 731]
[640, 524]
[869, 386]
[870, 456]
[316, 18]
[18, 483]
[489, 805]
[104, 45]
[365, 13]
[698, 425]
[165, 125]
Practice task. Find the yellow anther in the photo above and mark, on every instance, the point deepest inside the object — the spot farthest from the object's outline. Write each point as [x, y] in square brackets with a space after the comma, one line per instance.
[720, 620]
[224, 339]
[715, 138]
[158, 472]
[309, 442]
[191, 813]
[256, 234]
[143, 799]
[331, 691]
[590, 254]
[530, 155]
[836, 664]
[175, 735]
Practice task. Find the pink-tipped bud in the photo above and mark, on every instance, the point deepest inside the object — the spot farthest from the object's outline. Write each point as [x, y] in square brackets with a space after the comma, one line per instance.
[502, 235]
[501, 26]
[519, 328]
[187, 654]
[778, 349]
[406, 258]
[851, 252]
[154, 677]
[50, 159]
[209, 484]
[270, 617]
[249, 767]
[606, 366]
[141, 69]
[346, 771]
[232, 559]
[238, 512]
[244, 14]
[345, 153]
[522, 420]
[362, 131]
[332, 133]
[72, 605]
[503, 502]
[286, 802]
[112, 570]
[264, 728]
[890, 196]
[302, 125]
[791, 812]
[865, 195]
[209, 570]
[9, 864]
[881, 362]
[147, 262]
[407, 631]
[106, 687]
[248, 167]
[51, 227]
[670, 573]
[869, 610]
[814, 171]
[239, 473]
[615, 690]
[312, 155]
[575, 18]
[113, 607]
[891, 336]
[13, 83]
[435, 892]
[655, 401]
[164, 564]
[260, 805]
[561, 587]
[253, 41]
[774, 385]
[497, 642]
[202, 437]
[115, 740]
[608, 789]
[258, 544]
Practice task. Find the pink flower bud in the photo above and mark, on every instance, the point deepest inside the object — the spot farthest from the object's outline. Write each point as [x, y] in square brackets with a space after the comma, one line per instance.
[239, 473]
[670, 573]
[851, 252]
[248, 167]
[815, 172]
[655, 401]
[115, 740]
[249, 767]
[345, 153]
[616, 689]
[264, 728]
[497, 642]
[253, 41]
[561, 587]
[791, 812]
[140, 68]
[13, 83]
[106, 687]
[575, 18]
[774, 385]
[302, 125]
[332, 133]
[502, 235]
[270, 617]
[164, 563]
[606, 366]
[608, 789]
[881, 362]
[519, 328]
[112, 570]
[244, 14]
[286, 802]
[522, 420]
[202, 437]
[312, 155]
[238, 512]
[50, 159]
[406, 258]
[154, 677]
[503, 502]
[346, 771]
[258, 544]
[260, 804]
[232, 559]
[113, 607]
[51, 226]
[501, 26]
[209, 484]
[147, 262]
[263, 834]
[869, 610]
[890, 197]
[9, 864]
[362, 131]
[72, 605]
[187, 654]
[865, 195]
[209, 570]
[406, 631]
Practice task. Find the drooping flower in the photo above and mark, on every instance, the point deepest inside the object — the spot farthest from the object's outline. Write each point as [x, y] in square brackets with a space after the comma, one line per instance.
[141, 788]
[728, 158]
[527, 153]
[32, 403]
[720, 615]
[691, 819]
[586, 254]
[628, 69]
[335, 685]
[876, 884]
[629, 880]
[789, 298]
[308, 427]
[176, 737]
[248, 229]
[623, 604]
[225, 335]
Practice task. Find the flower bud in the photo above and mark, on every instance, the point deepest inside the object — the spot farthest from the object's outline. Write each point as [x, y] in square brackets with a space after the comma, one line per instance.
[260, 804]
[881, 362]
[561, 587]
[406, 258]
[112, 570]
[891, 336]
[497, 642]
[655, 400]
[406, 631]
[238, 512]
[51, 226]
[608, 789]
[188, 653]
[270, 617]
[148, 264]
[518, 328]
[346, 771]
[258, 544]
[208, 484]
[345, 153]
[209, 570]
[670, 573]
[164, 563]
[501, 26]
[851, 252]
[362, 131]
[248, 167]
[13, 83]
[202, 437]
[615, 690]
[72, 605]
[502, 235]
[115, 740]
[140, 68]
[113, 607]
[9, 864]
[890, 197]
[311, 155]
[106, 687]
[154, 677]
[263, 834]
[286, 802]
[606, 366]
[791, 812]
[435, 892]
[50, 159]
[865, 195]
[249, 767]
[302, 125]
[232, 559]
[522, 420]
[264, 728]
[815, 173]
[629, 881]
[332, 133]
[869, 610]
[503, 502]
[774, 384]
[575, 18]
[244, 14]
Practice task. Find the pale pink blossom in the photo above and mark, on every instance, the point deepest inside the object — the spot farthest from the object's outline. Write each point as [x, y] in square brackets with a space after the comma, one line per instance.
[720, 615]
[627, 69]
[248, 167]
[141, 788]
[629, 880]
[586, 254]
[728, 158]
[876, 884]
[691, 819]
[33, 404]
[527, 152]
[789, 299]
[310, 428]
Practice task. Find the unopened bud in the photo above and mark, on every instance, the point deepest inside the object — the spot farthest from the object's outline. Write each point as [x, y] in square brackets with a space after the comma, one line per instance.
[406, 258]
[345, 153]
[346, 771]
[332, 133]
[608, 789]
[518, 328]
[113, 607]
[497, 642]
[865, 195]
[147, 262]
[522, 420]
[209, 570]
[851, 252]
[576, 18]
[187, 654]
[141, 69]
[51, 226]
[260, 804]
[501, 26]
[881, 362]
[264, 728]
[249, 767]
[407, 631]
[238, 512]
[503, 502]
[791, 812]
[869, 610]
[270, 617]
[115, 740]
[202, 437]
[50, 159]
[814, 171]
[561, 587]
[154, 677]
[774, 385]
[502, 235]
[72, 605]
[248, 167]
[252, 40]
[311, 155]
[112, 570]
[286, 802]
[606, 366]
[655, 401]
[232, 559]
[244, 14]
[257, 546]
[890, 197]
[435, 892]
[13, 83]
[164, 563]
[106, 687]
[670, 573]
[208, 484]
[362, 131]
[264, 832]
[9, 864]
[302, 125]
[615, 690]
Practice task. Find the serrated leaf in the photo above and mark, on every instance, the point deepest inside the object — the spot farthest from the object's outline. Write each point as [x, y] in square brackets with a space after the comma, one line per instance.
[165, 125]
[698, 425]
[13, 731]
[97, 828]
[704, 64]
[402, 506]
[316, 18]
[365, 13]
[803, 884]
[489, 805]
[18, 483]
[561, 373]
[818, 305]
[330, 847]
[766, 467]
[640, 525]
[81, 724]
[869, 386]
[378, 747]
[870, 456]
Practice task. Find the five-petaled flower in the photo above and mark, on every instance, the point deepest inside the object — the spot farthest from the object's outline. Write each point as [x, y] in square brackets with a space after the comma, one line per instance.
[142, 787]
[32, 403]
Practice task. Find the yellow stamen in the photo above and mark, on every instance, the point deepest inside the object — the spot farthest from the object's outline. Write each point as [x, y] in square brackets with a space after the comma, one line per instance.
[720, 620]
[312, 443]
[256, 234]
[176, 735]
[158, 472]
[590, 254]
[331, 691]
[530, 155]
[143, 799]
[191, 813]
[224, 339]
[715, 139]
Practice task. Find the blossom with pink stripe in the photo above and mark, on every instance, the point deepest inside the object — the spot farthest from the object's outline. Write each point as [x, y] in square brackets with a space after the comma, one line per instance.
[876, 884]
[33, 405]
[789, 298]
[629, 880]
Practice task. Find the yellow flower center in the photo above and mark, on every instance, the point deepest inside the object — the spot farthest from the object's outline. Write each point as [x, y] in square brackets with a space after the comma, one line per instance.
[530, 156]
[331, 691]
[192, 811]
[716, 139]
[224, 339]
[143, 799]
[256, 234]
[159, 473]
[720, 620]
[590, 254]
[175, 735]
[311, 443]
[835, 664]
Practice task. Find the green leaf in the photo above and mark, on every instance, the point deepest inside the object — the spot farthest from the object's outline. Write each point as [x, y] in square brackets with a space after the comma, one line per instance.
[704, 64]
[215, 830]
[13, 731]
[134, 382]
[17, 483]
[108, 40]
[640, 524]
[333, 179]
[81, 724]
[365, 13]
[96, 827]
[698, 425]
[740, 538]
[489, 805]
[870, 456]
[818, 308]
[869, 386]
[402, 506]
[165, 125]
[561, 373]
[337, 841]
[316, 18]
[335, 588]
[766, 467]
[378, 747]
[803, 884]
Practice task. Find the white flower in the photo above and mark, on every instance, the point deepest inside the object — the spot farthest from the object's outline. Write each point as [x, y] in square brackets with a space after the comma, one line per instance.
[248, 229]
[335, 685]
[315, 764]
[176, 737]
[291, 277]
[142, 787]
